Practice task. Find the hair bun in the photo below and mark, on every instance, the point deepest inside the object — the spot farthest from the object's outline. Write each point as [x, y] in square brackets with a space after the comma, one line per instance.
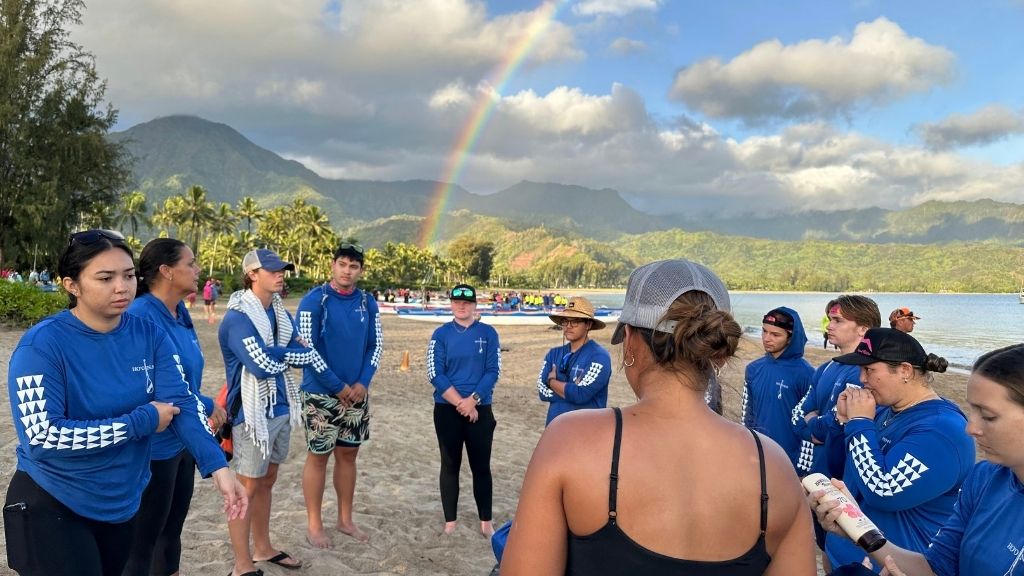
[936, 364]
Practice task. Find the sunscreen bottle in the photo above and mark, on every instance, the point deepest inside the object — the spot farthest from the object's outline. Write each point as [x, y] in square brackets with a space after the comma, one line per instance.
[857, 526]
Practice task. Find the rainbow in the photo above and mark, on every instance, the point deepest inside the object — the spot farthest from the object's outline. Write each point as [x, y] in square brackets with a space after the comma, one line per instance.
[478, 118]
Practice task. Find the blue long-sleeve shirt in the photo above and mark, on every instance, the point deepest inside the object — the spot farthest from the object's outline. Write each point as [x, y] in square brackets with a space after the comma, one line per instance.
[985, 533]
[183, 335]
[80, 400]
[828, 381]
[585, 372]
[773, 386]
[241, 345]
[345, 330]
[905, 469]
[467, 358]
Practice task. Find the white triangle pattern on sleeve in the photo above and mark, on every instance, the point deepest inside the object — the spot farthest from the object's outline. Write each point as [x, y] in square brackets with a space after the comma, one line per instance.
[902, 476]
[35, 420]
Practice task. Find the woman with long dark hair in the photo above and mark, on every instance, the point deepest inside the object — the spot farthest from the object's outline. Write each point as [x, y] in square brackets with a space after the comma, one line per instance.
[167, 274]
[89, 387]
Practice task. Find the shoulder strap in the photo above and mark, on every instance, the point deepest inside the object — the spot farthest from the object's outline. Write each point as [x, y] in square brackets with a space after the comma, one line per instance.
[764, 484]
[613, 478]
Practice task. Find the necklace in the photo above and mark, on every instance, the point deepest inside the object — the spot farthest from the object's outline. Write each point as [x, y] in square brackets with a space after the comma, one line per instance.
[460, 328]
[894, 412]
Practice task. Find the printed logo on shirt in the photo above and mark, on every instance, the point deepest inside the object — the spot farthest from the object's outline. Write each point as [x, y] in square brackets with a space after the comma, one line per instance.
[146, 367]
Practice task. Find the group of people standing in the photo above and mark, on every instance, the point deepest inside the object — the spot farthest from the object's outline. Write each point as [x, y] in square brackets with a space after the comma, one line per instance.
[111, 425]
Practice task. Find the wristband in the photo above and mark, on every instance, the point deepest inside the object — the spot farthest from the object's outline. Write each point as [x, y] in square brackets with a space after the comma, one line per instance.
[857, 418]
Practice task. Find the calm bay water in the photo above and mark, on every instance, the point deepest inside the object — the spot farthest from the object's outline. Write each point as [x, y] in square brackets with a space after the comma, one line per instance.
[959, 327]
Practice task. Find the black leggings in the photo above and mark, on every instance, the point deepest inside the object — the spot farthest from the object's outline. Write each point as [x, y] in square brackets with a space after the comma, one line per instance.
[45, 538]
[157, 549]
[454, 431]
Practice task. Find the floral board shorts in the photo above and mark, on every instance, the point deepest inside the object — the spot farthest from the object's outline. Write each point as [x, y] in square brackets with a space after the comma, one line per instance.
[329, 425]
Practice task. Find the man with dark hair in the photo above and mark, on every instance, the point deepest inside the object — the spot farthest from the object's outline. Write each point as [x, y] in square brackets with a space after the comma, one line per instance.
[342, 323]
[774, 383]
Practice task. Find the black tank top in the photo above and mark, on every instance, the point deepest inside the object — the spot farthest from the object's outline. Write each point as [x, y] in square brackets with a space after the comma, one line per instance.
[611, 551]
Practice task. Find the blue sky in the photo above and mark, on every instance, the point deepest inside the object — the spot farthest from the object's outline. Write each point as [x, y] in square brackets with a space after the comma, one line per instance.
[681, 106]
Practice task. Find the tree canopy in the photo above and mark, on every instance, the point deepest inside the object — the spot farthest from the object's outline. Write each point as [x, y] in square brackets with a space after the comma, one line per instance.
[55, 161]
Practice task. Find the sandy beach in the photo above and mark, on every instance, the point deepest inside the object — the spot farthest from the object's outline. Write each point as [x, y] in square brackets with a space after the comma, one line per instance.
[397, 501]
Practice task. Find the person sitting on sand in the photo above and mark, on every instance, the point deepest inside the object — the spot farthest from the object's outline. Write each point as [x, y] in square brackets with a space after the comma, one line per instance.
[575, 375]
[664, 486]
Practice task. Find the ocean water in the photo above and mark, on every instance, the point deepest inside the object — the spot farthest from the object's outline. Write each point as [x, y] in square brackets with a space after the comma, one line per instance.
[958, 327]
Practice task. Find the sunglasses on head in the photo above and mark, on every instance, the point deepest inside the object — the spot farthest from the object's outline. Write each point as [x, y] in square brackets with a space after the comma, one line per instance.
[464, 292]
[87, 237]
[353, 247]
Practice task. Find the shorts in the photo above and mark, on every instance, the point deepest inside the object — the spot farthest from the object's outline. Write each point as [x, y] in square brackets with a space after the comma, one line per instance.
[249, 461]
[328, 425]
[207, 302]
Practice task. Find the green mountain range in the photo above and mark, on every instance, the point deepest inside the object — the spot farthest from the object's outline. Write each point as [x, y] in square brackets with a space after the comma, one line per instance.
[562, 233]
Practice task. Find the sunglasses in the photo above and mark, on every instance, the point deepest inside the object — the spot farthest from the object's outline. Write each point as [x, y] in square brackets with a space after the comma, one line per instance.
[87, 237]
[464, 292]
[353, 247]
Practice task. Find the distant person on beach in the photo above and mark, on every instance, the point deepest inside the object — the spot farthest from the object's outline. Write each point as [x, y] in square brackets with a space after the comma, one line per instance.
[849, 319]
[343, 323]
[259, 342]
[982, 535]
[89, 387]
[463, 365]
[774, 383]
[664, 486]
[167, 273]
[900, 448]
[903, 319]
[575, 375]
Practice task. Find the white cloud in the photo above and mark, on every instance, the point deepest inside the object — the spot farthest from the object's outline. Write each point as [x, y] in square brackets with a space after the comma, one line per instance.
[627, 46]
[983, 126]
[613, 7]
[815, 78]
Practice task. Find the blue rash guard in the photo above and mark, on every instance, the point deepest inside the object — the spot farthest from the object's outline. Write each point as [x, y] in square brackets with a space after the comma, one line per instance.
[586, 373]
[345, 330]
[468, 359]
[985, 533]
[80, 400]
[828, 381]
[772, 386]
[242, 345]
[180, 330]
[905, 469]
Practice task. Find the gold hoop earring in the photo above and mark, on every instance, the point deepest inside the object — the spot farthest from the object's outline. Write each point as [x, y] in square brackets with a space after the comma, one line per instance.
[632, 359]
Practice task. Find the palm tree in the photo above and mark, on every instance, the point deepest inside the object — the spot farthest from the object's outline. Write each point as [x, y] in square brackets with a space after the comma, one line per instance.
[222, 223]
[196, 214]
[133, 212]
[248, 209]
[312, 228]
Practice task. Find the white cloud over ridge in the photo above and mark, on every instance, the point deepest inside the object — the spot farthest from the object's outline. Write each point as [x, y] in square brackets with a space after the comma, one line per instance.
[983, 126]
[814, 78]
[383, 90]
[613, 7]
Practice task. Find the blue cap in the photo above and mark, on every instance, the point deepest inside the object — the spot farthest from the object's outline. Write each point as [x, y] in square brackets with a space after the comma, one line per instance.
[266, 259]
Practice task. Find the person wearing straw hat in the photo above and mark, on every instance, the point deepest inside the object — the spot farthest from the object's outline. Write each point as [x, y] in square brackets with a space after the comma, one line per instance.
[575, 375]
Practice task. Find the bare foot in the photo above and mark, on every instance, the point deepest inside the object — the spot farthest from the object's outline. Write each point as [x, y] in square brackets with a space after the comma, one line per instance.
[486, 528]
[353, 531]
[318, 539]
[449, 528]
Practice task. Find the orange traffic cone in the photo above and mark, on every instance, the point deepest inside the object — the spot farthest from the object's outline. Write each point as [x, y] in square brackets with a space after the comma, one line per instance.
[405, 362]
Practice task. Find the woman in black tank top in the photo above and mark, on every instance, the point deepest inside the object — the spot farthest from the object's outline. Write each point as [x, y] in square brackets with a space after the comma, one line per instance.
[688, 492]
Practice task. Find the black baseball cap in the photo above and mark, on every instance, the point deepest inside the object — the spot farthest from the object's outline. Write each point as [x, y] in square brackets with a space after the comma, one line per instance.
[886, 345]
[780, 318]
[463, 292]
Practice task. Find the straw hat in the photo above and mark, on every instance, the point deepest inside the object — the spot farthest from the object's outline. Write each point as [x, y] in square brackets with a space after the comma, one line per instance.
[578, 307]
